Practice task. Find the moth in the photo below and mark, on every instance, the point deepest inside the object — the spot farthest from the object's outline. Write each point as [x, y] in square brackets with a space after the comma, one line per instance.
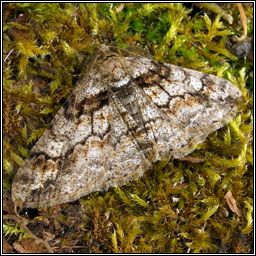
[123, 116]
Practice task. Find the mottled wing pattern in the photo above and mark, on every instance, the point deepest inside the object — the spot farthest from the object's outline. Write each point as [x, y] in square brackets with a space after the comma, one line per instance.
[70, 157]
[126, 114]
[193, 103]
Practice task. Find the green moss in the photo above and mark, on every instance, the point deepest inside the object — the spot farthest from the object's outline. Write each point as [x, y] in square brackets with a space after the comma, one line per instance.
[14, 231]
[176, 206]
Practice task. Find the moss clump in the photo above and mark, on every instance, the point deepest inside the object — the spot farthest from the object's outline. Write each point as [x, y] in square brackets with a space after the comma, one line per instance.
[177, 206]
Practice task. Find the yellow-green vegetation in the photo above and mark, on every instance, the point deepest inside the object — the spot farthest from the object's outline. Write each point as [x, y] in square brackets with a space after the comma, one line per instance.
[177, 206]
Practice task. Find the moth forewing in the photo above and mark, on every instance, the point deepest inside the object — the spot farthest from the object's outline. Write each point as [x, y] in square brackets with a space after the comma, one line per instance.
[124, 115]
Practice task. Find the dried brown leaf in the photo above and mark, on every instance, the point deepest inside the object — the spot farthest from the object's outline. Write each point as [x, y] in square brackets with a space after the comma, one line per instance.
[7, 248]
[27, 245]
[232, 203]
